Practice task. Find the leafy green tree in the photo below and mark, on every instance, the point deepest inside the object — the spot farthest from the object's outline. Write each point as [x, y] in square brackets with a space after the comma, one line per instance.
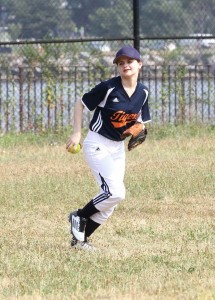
[202, 14]
[110, 18]
[176, 18]
[81, 10]
[39, 19]
[163, 18]
[113, 21]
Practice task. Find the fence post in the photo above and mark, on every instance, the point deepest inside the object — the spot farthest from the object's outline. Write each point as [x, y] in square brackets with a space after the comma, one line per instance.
[21, 98]
[136, 24]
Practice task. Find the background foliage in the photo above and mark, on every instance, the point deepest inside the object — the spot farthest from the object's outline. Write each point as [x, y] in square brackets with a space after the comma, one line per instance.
[53, 51]
[67, 19]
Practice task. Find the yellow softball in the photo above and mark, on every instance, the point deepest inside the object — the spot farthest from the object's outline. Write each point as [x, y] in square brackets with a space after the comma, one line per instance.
[75, 149]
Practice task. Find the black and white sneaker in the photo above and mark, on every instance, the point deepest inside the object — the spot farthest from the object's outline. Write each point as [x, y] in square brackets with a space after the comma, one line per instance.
[78, 225]
[85, 245]
[74, 241]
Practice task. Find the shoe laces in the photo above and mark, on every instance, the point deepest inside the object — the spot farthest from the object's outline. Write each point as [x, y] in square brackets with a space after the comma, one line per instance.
[86, 245]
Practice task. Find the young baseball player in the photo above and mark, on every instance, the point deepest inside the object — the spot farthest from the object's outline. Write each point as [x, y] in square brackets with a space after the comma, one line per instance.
[120, 107]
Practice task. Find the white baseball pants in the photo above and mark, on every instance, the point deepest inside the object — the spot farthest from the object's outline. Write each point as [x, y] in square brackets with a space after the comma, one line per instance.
[106, 159]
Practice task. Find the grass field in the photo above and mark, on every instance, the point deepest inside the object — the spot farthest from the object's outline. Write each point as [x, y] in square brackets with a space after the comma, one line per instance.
[159, 243]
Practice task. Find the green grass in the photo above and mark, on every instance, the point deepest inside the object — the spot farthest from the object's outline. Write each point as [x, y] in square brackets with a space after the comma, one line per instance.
[159, 243]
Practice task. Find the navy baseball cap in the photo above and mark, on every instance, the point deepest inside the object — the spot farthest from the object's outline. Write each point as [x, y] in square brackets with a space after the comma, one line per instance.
[129, 52]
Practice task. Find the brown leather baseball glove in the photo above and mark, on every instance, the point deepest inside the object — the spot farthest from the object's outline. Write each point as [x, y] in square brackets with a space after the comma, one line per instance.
[138, 135]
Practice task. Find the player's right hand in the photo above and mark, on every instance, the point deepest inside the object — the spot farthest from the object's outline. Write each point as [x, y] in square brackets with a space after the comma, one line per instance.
[73, 140]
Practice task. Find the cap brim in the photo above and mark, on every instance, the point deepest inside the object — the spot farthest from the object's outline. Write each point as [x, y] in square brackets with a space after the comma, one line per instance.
[117, 58]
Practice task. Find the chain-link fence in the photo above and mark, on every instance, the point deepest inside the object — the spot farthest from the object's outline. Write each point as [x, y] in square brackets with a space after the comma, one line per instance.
[52, 51]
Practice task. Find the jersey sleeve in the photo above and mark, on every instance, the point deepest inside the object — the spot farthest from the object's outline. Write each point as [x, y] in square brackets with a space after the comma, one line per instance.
[144, 115]
[145, 112]
[95, 96]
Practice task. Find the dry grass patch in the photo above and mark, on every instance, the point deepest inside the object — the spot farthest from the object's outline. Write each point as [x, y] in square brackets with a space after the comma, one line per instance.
[159, 243]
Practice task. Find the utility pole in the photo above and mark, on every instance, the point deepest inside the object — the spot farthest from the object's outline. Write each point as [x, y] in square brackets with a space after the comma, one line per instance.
[136, 24]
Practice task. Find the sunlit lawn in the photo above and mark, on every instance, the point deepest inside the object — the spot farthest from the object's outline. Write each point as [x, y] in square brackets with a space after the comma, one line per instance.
[159, 243]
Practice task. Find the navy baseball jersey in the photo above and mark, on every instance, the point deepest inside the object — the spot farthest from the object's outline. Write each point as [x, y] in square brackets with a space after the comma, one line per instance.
[115, 111]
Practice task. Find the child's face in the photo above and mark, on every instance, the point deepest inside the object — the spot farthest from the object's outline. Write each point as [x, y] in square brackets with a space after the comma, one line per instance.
[128, 66]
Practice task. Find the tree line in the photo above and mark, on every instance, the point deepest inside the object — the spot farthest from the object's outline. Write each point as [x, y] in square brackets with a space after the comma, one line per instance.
[27, 19]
